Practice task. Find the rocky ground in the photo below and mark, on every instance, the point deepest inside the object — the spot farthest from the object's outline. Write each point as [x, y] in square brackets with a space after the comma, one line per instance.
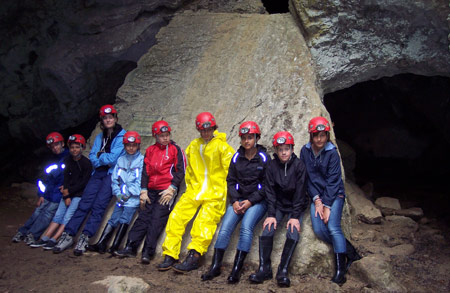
[400, 254]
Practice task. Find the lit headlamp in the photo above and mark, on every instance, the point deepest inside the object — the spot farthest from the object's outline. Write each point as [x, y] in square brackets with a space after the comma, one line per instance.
[206, 125]
[245, 130]
[164, 129]
[320, 127]
[131, 139]
[72, 138]
[107, 110]
[50, 141]
[281, 140]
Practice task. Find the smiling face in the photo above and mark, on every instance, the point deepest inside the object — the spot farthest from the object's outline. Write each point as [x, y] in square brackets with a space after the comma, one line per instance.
[56, 147]
[284, 152]
[207, 133]
[75, 149]
[248, 141]
[163, 138]
[109, 121]
[319, 139]
[131, 148]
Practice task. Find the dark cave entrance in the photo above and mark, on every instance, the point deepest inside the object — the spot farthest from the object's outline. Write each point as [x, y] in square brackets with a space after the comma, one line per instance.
[397, 132]
[276, 6]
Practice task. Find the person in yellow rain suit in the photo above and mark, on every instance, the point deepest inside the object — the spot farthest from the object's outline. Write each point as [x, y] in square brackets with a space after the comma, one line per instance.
[208, 159]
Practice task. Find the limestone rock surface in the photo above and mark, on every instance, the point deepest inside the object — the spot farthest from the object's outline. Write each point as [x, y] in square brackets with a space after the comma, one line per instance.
[122, 284]
[362, 208]
[355, 41]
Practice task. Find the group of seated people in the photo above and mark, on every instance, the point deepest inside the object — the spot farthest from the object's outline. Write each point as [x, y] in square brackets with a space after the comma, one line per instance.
[74, 187]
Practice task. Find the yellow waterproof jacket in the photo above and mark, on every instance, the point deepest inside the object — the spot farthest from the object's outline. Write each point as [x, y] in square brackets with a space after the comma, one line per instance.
[207, 169]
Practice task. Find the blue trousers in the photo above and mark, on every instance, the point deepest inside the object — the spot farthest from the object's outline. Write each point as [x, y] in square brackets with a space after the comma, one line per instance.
[95, 199]
[122, 215]
[249, 220]
[331, 233]
[40, 219]
[279, 215]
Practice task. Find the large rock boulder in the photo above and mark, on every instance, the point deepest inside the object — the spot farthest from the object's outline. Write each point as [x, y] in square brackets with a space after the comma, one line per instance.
[355, 41]
[239, 67]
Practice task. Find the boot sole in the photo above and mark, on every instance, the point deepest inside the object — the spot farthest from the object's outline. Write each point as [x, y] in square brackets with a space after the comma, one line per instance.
[182, 271]
[164, 269]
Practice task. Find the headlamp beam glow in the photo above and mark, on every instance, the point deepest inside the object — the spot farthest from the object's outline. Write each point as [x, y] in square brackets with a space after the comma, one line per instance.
[107, 110]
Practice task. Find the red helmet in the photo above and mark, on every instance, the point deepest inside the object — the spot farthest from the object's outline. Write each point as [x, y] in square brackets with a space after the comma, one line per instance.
[159, 127]
[77, 138]
[205, 120]
[282, 137]
[54, 137]
[318, 124]
[131, 136]
[107, 109]
[249, 127]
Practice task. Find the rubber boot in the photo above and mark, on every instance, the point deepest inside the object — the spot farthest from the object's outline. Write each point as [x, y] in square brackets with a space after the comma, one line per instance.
[214, 269]
[235, 274]
[100, 246]
[119, 237]
[339, 275]
[352, 254]
[130, 249]
[167, 264]
[146, 255]
[283, 269]
[265, 266]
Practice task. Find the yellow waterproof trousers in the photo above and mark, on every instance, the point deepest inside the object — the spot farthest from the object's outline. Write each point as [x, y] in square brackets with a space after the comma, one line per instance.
[203, 228]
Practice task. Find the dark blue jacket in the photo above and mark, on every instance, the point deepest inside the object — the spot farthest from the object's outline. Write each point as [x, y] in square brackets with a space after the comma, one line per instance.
[324, 173]
[53, 178]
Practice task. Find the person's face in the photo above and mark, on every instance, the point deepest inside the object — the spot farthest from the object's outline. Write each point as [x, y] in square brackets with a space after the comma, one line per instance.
[75, 149]
[131, 148]
[319, 140]
[207, 133]
[109, 121]
[56, 147]
[248, 141]
[163, 138]
[284, 152]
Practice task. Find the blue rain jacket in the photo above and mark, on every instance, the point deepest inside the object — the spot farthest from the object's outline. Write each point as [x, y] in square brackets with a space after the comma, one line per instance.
[53, 178]
[108, 158]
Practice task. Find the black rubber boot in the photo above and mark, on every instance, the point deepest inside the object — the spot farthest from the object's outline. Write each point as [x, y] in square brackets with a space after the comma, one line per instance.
[352, 254]
[214, 269]
[190, 263]
[235, 274]
[167, 264]
[339, 275]
[265, 266]
[130, 250]
[146, 255]
[119, 237]
[100, 246]
[283, 269]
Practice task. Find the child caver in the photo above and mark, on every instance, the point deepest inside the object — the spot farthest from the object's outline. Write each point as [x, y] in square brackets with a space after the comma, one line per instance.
[49, 194]
[326, 189]
[77, 172]
[107, 148]
[208, 160]
[246, 193]
[163, 172]
[286, 195]
[126, 187]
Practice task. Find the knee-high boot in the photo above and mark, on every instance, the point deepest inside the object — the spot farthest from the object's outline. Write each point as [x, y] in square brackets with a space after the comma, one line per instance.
[283, 269]
[119, 236]
[214, 269]
[100, 246]
[352, 254]
[265, 266]
[339, 275]
[235, 274]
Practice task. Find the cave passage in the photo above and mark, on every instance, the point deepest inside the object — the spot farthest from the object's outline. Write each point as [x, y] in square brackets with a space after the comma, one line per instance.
[395, 133]
[276, 6]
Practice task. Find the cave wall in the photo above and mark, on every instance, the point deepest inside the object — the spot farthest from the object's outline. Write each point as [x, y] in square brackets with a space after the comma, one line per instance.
[355, 41]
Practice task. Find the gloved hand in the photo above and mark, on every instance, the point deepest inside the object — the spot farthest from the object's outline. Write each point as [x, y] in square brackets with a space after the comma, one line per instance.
[167, 195]
[144, 198]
